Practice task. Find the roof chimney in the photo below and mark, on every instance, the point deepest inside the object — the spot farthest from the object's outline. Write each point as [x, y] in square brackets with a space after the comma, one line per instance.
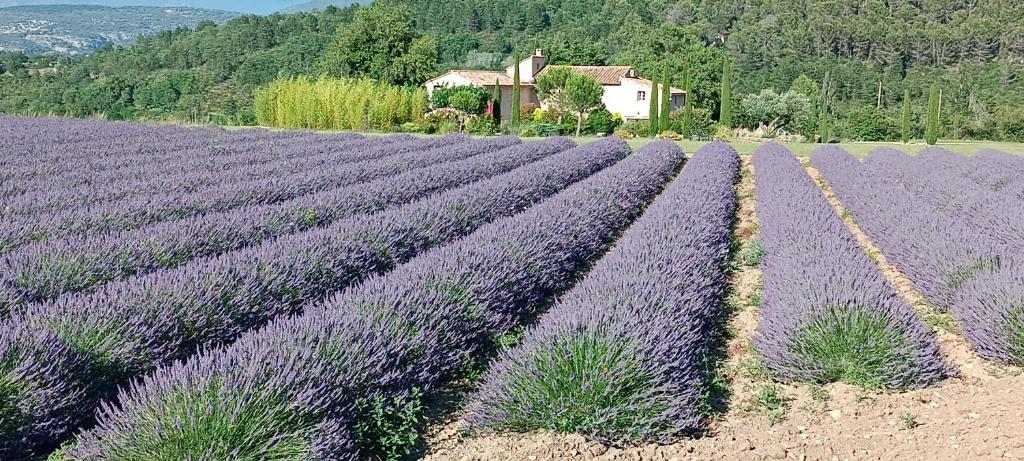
[540, 52]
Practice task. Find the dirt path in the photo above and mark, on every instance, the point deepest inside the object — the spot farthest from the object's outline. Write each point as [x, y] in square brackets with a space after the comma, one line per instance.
[979, 416]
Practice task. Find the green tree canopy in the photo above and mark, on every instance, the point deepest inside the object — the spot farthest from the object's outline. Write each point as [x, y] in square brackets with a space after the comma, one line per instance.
[772, 111]
[583, 94]
[381, 43]
[551, 87]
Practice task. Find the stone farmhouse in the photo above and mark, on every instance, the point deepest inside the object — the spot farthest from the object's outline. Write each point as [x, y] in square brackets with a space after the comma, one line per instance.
[625, 93]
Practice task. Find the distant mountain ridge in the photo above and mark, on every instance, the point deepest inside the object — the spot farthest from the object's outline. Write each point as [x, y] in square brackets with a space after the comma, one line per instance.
[82, 29]
[247, 6]
[316, 5]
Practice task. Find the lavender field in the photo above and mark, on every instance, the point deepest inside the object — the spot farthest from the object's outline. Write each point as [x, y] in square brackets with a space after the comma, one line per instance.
[191, 293]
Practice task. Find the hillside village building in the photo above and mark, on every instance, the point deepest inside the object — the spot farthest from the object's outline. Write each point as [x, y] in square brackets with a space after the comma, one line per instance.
[625, 93]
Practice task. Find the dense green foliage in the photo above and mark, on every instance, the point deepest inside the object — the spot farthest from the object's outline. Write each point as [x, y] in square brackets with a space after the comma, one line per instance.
[972, 50]
[380, 43]
[342, 104]
[469, 99]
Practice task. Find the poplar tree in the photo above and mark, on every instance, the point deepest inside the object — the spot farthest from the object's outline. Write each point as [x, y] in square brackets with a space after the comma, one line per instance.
[931, 129]
[665, 119]
[725, 107]
[516, 95]
[906, 116]
[688, 107]
[653, 113]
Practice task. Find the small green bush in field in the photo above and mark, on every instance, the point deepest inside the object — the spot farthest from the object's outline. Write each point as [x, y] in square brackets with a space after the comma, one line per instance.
[389, 428]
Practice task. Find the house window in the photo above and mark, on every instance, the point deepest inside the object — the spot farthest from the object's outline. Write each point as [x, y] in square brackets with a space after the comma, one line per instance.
[641, 95]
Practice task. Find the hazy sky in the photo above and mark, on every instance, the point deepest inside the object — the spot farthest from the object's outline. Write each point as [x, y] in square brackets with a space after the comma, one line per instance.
[246, 6]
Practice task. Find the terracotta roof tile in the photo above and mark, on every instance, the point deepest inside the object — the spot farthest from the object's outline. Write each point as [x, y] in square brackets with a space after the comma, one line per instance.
[648, 82]
[605, 75]
[485, 77]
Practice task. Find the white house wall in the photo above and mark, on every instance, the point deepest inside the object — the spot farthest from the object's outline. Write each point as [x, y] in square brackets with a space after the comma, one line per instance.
[449, 80]
[621, 99]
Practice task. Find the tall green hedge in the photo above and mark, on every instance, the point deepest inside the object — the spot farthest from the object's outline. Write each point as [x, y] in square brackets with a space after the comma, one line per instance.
[337, 104]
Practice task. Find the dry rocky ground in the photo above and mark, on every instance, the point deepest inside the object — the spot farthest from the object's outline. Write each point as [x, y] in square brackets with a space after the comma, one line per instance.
[977, 416]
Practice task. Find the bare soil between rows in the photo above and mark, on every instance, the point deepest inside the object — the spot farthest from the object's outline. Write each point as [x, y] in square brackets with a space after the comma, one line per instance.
[977, 416]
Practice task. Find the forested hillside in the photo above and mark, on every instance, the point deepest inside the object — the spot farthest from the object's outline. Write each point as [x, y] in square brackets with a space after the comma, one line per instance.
[857, 56]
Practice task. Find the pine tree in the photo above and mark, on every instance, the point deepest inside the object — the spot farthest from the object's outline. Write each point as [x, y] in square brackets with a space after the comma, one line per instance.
[906, 116]
[496, 101]
[516, 96]
[931, 130]
[653, 113]
[665, 120]
[688, 107]
[725, 108]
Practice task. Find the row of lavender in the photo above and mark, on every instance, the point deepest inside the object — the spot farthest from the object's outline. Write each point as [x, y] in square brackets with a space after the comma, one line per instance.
[140, 210]
[953, 185]
[35, 152]
[240, 162]
[952, 230]
[43, 271]
[311, 385]
[828, 314]
[103, 145]
[58, 360]
[628, 354]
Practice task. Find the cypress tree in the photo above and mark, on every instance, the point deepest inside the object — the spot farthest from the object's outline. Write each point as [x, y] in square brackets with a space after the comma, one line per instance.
[824, 130]
[664, 120]
[516, 95]
[688, 107]
[725, 107]
[496, 108]
[931, 130]
[906, 116]
[653, 113]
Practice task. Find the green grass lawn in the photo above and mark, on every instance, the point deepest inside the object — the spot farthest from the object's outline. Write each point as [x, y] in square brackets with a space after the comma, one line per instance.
[859, 149]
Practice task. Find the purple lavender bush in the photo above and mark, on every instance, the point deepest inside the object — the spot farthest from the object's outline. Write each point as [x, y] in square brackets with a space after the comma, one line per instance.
[828, 314]
[942, 187]
[342, 380]
[624, 356]
[130, 327]
[44, 271]
[1005, 180]
[109, 178]
[141, 210]
[98, 170]
[956, 264]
